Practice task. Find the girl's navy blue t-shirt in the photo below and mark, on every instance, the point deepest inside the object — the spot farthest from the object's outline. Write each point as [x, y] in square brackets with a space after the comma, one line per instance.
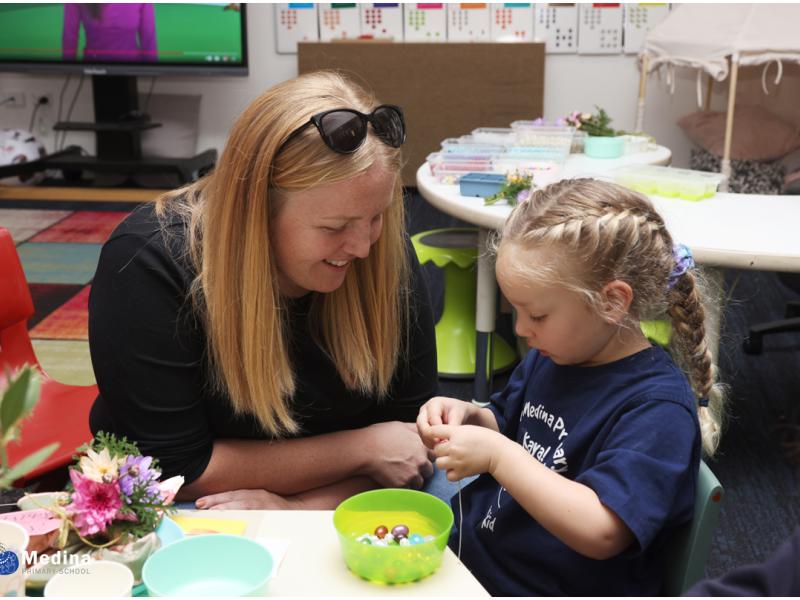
[626, 429]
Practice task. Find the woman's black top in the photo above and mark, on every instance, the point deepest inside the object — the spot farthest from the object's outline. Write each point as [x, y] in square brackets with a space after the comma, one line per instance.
[148, 351]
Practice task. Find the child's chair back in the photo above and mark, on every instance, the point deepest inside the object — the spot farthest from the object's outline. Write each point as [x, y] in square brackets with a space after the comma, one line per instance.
[16, 307]
[688, 549]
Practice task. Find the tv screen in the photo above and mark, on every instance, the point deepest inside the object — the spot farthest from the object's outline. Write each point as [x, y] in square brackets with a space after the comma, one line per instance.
[124, 39]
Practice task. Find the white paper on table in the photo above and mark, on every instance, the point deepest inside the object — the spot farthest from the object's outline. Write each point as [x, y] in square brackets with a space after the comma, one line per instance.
[277, 548]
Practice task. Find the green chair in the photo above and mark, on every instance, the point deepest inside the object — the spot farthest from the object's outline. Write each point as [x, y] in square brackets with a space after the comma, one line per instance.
[659, 332]
[687, 551]
[456, 250]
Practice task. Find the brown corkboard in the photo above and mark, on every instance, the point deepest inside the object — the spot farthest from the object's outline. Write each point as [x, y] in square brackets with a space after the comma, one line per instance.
[446, 90]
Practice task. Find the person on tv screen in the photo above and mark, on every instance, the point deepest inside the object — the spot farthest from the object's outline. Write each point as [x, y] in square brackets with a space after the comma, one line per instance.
[266, 331]
[114, 32]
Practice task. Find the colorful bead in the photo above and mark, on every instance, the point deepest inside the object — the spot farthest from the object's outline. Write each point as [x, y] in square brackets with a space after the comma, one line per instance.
[400, 531]
[415, 538]
[381, 531]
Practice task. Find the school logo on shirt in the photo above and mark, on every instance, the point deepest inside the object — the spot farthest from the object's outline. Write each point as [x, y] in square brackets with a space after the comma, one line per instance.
[541, 450]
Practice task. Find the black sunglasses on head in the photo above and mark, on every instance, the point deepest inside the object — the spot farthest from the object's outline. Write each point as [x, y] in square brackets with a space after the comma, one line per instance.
[344, 129]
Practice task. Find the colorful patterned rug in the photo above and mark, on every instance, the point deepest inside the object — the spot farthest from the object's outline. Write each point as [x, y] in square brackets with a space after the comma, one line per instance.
[59, 251]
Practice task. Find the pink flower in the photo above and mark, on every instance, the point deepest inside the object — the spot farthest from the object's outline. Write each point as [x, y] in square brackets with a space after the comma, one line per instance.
[94, 504]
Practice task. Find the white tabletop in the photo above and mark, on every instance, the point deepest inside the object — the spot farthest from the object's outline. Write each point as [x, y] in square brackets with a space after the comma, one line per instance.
[314, 566]
[745, 231]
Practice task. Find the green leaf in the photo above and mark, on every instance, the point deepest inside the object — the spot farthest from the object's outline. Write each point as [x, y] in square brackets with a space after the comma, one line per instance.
[34, 390]
[12, 406]
[26, 465]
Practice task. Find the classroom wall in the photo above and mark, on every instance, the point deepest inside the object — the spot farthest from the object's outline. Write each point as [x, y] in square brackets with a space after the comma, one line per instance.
[572, 82]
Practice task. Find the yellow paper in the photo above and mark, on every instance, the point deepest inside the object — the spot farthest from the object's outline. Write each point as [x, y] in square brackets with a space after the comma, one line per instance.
[201, 525]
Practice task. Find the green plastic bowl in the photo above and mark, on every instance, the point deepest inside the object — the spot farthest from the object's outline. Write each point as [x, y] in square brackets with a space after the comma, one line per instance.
[209, 565]
[422, 513]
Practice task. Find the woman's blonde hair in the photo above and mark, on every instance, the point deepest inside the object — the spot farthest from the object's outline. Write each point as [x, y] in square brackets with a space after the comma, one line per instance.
[602, 232]
[228, 215]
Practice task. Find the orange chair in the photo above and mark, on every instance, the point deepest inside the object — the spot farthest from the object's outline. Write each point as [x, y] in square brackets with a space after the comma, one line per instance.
[62, 413]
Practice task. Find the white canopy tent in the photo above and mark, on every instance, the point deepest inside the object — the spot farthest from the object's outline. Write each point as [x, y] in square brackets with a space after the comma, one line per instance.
[716, 39]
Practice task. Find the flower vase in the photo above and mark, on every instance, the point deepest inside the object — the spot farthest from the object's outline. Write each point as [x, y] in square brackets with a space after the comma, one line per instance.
[604, 146]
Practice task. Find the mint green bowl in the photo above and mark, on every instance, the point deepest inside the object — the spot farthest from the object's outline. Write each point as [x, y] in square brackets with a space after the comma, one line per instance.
[422, 513]
[603, 147]
[209, 565]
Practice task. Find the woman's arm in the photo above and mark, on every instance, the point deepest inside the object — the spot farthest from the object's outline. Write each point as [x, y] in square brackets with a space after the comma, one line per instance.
[321, 498]
[391, 454]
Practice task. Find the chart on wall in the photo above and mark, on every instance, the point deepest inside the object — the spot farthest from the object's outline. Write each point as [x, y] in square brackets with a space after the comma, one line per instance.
[425, 22]
[339, 21]
[639, 19]
[468, 22]
[295, 22]
[599, 28]
[512, 22]
[382, 20]
[557, 26]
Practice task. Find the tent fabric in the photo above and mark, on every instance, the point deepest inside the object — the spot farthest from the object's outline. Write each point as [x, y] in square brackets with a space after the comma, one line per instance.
[703, 36]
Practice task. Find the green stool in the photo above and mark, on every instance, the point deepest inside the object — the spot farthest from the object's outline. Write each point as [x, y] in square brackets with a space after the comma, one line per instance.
[659, 332]
[456, 250]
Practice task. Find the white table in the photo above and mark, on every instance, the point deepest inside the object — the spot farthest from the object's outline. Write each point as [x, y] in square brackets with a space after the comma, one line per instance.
[314, 566]
[743, 231]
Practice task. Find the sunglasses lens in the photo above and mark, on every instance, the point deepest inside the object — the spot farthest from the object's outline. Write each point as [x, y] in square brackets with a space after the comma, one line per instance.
[343, 131]
[389, 126]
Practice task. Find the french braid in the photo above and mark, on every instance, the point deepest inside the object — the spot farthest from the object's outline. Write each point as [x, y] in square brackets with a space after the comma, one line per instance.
[605, 232]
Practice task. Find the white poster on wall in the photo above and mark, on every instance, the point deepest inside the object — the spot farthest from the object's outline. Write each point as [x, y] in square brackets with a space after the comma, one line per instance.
[468, 22]
[295, 22]
[382, 20]
[599, 28]
[557, 26]
[639, 19]
[512, 22]
[424, 22]
[339, 21]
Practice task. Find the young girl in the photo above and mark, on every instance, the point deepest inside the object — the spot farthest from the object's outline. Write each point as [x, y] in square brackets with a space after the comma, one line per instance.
[590, 455]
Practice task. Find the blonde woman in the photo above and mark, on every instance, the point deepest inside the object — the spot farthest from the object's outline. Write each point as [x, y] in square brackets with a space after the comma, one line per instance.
[266, 332]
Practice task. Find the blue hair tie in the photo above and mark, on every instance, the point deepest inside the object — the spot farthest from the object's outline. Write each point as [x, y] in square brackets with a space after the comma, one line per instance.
[683, 262]
[703, 402]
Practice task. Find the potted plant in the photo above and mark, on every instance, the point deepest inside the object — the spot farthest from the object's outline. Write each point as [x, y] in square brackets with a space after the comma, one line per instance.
[602, 140]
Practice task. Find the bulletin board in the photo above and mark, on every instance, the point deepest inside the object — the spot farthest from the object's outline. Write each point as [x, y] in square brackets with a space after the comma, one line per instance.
[446, 90]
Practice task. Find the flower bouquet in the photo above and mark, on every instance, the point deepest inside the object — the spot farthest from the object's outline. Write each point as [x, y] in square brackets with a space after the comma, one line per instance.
[516, 189]
[113, 506]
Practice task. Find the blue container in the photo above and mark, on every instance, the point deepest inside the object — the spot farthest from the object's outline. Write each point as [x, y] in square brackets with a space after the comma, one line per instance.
[482, 185]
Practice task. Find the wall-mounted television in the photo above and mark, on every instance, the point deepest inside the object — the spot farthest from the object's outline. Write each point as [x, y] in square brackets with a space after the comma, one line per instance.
[115, 43]
[124, 39]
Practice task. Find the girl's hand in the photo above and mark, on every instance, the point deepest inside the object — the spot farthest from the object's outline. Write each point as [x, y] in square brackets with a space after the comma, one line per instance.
[467, 449]
[440, 411]
[245, 500]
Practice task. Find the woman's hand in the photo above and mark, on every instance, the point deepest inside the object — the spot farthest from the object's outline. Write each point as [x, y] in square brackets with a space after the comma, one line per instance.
[245, 500]
[465, 450]
[396, 456]
[441, 410]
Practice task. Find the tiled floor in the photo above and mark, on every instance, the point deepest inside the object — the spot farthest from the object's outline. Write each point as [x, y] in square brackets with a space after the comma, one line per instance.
[59, 251]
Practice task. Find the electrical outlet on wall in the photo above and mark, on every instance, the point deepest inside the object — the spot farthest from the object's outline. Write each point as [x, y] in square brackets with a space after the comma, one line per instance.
[12, 100]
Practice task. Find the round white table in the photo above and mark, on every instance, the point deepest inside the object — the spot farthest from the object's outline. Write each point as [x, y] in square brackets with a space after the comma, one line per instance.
[744, 231]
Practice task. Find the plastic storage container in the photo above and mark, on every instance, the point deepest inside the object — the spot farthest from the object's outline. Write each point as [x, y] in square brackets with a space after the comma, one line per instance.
[668, 181]
[481, 185]
[494, 135]
[528, 133]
